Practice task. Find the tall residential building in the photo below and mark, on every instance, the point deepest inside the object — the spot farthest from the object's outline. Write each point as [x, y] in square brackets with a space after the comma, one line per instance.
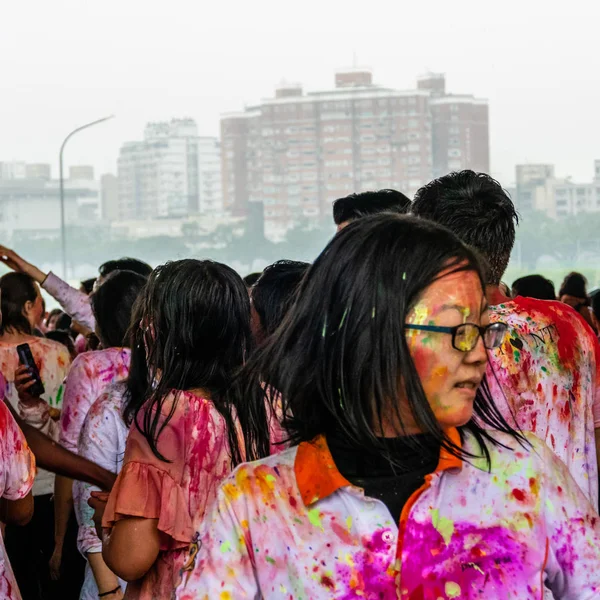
[160, 176]
[210, 196]
[296, 153]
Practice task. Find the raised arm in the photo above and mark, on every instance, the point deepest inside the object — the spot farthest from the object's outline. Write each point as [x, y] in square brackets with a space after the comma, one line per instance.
[74, 303]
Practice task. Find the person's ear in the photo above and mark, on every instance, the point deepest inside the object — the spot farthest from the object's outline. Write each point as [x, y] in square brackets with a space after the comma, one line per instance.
[27, 308]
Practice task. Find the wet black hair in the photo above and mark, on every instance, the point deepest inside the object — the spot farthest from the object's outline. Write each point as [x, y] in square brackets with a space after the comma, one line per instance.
[193, 317]
[534, 286]
[251, 279]
[63, 321]
[88, 285]
[476, 208]
[63, 337]
[356, 206]
[574, 284]
[112, 305]
[17, 289]
[341, 352]
[275, 291]
[125, 264]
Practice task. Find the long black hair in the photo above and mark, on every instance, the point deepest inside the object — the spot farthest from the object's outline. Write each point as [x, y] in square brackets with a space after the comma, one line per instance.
[340, 356]
[17, 289]
[191, 330]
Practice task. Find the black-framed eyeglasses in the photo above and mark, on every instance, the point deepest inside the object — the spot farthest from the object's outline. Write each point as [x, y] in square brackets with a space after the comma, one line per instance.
[466, 335]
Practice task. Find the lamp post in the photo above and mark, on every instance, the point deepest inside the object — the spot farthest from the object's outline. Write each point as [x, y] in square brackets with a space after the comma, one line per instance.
[62, 190]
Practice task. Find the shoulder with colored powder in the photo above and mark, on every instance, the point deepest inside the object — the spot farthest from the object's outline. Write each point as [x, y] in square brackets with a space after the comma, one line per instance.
[271, 476]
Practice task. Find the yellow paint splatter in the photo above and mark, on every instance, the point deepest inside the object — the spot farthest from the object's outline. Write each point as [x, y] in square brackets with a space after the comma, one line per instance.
[315, 518]
[452, 589]
[225, 596]
[419, 314]
[444, 526]
[349, 523]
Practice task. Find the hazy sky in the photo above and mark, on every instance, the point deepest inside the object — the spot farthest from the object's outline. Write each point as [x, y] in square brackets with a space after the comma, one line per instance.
[66, 62]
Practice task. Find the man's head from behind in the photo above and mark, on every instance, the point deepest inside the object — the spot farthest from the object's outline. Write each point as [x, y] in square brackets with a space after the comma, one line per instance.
[476, 208]
[355, 206]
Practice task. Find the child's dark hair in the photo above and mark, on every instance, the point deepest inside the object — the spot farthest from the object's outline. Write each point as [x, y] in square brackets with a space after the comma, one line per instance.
[191, 325]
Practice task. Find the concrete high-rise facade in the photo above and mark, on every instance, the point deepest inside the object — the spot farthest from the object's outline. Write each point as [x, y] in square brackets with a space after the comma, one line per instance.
[161, 175]
[298, 152]
[210, 196]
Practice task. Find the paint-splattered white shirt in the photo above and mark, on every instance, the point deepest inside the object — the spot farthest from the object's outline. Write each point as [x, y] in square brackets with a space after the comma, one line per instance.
[291, 527]
[89, 376]
[547, 374]
[102, 440]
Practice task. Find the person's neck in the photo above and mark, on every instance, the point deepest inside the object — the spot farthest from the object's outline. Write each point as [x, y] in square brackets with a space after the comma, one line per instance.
[11, 336]
[494, 295]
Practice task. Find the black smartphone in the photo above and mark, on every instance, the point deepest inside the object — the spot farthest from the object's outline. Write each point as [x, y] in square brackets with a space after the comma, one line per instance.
[26, 358]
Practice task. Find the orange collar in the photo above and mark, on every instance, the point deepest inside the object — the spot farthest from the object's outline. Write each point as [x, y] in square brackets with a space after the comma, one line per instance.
[318, 477]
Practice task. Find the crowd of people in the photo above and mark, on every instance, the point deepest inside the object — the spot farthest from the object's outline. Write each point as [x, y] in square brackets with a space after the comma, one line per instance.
[390, 421]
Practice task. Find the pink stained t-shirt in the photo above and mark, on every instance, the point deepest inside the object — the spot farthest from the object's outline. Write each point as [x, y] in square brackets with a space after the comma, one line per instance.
[17, 474]
[89, 376]
[546, 377]
[177, 493]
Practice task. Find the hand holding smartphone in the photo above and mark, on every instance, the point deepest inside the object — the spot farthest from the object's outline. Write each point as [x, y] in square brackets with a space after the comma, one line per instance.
[26, 359]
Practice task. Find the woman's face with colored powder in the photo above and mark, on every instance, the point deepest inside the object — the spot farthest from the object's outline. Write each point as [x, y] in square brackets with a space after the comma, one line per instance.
[449, 377]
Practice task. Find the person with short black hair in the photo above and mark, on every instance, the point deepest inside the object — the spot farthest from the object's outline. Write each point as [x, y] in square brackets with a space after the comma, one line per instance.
[534, 286]
[545, 378]
[75, 302]
[273, 294]
[356, 206]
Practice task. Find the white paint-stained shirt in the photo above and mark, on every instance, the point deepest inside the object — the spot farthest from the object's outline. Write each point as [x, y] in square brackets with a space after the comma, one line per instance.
[290, 527]
[545, 377]
[102, 440]
[74, 302]
[53, 361]
[17, 473]
[89, 376]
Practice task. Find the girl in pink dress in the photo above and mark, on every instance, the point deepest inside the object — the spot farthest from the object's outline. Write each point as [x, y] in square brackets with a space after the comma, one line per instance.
[192, 334]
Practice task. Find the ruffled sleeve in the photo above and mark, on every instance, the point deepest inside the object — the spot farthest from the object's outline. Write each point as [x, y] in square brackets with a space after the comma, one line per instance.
[142, 490]
[151, 488]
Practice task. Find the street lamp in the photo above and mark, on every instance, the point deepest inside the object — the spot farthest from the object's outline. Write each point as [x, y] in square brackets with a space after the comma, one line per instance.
[62, 190]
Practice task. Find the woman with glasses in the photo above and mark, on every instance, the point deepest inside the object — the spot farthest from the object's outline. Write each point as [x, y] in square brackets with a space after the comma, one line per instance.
[403, 480]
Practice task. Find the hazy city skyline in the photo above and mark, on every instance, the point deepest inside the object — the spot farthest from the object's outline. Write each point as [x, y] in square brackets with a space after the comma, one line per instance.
[64, 64]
